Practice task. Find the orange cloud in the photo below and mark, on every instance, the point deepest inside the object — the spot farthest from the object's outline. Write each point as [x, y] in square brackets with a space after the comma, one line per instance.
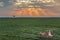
[33, 12]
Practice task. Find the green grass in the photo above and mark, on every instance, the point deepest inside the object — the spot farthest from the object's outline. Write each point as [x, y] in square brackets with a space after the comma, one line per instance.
[28, 28]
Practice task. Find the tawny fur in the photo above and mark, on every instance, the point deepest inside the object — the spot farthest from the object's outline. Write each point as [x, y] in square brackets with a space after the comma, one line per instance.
[47, 33]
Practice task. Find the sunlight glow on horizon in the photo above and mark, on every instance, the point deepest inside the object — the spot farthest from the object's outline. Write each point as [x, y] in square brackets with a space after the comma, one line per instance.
[33, 12]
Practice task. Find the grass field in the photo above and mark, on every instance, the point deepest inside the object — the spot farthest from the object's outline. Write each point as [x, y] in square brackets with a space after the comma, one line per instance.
[28, 28]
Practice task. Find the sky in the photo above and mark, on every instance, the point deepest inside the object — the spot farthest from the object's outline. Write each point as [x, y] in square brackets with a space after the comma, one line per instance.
[6, 7]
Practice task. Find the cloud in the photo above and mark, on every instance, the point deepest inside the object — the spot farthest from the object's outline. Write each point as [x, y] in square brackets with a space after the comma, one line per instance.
[1, 4]
[52, 5]
[8, 5]
[5, 3]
